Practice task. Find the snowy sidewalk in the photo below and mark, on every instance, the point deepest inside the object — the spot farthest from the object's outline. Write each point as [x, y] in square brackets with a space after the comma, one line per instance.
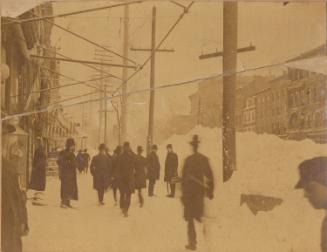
[158, 226]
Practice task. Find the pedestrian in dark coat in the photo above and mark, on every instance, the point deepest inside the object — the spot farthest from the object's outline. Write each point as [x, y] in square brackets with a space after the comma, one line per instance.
[125, 176]
[153, 169]
[115, 163]
[101, 169]
[14, 222]
[67, 173]
[80, 161]
[86, 161]
[171, 165]
[197, 182]
[38, 174]
[140, 174]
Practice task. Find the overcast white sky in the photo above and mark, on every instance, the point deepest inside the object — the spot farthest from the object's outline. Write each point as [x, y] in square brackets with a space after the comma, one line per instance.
[278, 32]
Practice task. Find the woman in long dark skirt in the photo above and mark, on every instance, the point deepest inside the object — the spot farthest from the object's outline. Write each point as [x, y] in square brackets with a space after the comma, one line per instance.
[38, 175]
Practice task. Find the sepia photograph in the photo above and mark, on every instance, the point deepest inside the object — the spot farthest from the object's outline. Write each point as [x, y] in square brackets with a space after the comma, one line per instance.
[163, 126]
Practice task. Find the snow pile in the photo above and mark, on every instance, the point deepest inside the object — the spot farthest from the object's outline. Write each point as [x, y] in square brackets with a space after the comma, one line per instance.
[266, 165]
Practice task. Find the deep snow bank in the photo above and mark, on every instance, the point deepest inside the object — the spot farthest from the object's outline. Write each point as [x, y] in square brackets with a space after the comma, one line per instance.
[266, 165]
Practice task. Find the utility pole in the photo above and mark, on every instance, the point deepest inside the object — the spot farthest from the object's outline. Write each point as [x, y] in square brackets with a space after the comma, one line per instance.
[326, 28]
[229, 87]
[125, 75]
[229, 55]
[152, 79]
[104, 58]
[100, 104]
[218, 54]
[153, 51]
[105, 114]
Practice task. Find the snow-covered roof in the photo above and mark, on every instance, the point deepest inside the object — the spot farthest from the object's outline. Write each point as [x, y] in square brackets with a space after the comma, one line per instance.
[315, 64]
[14, 8]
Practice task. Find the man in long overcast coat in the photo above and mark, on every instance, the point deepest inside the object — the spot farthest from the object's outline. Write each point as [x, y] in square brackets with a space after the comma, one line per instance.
[38, 174]
[67, 173]
[153, 169]
[171, 165]
[197, 182]
[101, 170]
[125, 177]
[140, 174]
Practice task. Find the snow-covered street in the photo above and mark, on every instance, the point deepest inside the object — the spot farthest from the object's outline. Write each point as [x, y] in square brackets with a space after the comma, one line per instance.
[159, 226]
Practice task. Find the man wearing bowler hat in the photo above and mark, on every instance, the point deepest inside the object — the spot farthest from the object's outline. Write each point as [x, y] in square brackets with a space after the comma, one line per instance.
[67, 173]
[101, 170]
[171, 165]
[313, 180]
[125, 177]
[140, 174]
[197, 182]
[153, 169]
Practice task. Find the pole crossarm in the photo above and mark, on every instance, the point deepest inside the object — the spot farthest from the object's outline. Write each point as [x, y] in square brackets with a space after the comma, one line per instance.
[68, 77]
[149, 50]
[178, 4]
[107, 74]
[91, 42]
[158, 46]
[26, 20]
[83, 61]
[220, 54]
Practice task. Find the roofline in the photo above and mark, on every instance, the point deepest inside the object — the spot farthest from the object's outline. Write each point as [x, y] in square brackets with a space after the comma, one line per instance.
[307, 53]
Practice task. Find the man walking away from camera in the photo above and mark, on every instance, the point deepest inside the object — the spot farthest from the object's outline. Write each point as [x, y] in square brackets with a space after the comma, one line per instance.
[140, 174]
[171, 165]
[86, 161]
[101, 169]
[197, 182]
[153, 169]
[125, 176]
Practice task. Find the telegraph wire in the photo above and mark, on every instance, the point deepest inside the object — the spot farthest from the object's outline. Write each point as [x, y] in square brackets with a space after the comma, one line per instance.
[176, 84]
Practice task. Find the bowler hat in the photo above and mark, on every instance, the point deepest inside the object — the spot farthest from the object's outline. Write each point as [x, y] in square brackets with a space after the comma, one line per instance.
[314, 169]
[195, 140]
[70, 142]
[154, 147]
[118, 149]
[126, 145]
[102, 147]
[169, 146]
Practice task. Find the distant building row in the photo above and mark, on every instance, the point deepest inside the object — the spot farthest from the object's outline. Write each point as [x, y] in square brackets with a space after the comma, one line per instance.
[293, 105]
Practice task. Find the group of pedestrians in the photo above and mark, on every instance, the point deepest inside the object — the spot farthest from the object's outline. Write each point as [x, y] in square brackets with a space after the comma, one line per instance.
[126, 171]
[83, 161]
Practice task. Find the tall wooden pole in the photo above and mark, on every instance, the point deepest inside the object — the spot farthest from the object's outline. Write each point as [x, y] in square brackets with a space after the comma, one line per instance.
[326, 28]
[105, 114]
[100, 104]
[229, 87]
[152, 80]
[125, 75]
